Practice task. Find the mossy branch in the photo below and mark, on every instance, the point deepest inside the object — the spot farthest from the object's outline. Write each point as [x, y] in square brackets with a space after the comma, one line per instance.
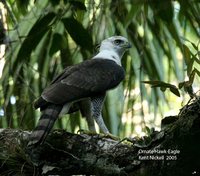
[172, 151]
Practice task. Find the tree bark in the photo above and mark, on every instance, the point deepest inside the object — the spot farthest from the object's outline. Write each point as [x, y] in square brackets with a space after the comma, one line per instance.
[175, 150]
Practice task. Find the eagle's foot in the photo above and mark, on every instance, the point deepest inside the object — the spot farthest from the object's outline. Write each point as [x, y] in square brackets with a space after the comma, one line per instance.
[101, 135]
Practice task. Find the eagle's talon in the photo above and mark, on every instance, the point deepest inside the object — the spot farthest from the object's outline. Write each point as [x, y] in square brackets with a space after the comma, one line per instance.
[101, 135]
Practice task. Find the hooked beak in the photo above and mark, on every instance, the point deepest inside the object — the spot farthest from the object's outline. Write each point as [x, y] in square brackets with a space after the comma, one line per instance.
[127, 45]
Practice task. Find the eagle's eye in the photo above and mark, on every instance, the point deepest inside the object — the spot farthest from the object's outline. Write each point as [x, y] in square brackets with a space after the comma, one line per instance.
[118, 42]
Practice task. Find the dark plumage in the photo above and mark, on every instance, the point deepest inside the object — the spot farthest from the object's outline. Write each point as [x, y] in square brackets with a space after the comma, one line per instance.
[82, 87]
[86, 79]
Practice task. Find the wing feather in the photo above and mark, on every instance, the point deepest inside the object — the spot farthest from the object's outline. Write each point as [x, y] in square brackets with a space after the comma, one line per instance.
[83, 80]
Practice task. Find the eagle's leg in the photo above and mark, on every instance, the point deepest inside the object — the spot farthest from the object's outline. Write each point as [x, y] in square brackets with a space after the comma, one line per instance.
[96, 106]
[90, 122]
[85, 108]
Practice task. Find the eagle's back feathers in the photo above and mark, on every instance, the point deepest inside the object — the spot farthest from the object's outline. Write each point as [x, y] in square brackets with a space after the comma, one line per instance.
[83, 80]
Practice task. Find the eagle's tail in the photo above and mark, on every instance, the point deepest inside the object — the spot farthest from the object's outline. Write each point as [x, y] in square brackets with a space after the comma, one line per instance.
[45, 124]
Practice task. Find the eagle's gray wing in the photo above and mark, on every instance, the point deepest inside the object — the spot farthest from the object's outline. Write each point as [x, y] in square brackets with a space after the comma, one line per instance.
[84, 80]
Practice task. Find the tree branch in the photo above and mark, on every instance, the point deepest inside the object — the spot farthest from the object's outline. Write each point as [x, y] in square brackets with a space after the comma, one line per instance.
[172, 151]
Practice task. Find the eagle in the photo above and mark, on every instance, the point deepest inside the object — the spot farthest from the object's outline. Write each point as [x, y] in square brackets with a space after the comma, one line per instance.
[82, 86]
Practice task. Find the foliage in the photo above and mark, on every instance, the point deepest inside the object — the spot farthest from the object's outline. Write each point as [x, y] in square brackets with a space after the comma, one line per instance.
[190, 61]
[43, 37]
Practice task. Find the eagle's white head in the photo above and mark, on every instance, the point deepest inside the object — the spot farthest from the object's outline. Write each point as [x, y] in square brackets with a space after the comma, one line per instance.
[113, 48]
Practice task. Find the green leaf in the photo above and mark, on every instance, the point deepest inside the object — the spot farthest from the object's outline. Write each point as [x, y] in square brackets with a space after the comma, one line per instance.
[191, 76]
[190, 66]
[194, 46]
[148, 130]
[163, 89]
[186, 54]
[163, 86]
[181, 85]
[152, 82]
[196, 59]
[78, 33]
[22, 5]
[34, 36]
[132, 13]
[77, 4]
[158, 83]
[54, 2]
[175, 91]
[57, 43]
[163, 9]
[197, 72]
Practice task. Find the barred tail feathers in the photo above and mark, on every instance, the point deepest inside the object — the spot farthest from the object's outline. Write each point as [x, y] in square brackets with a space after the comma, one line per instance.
[45, 124]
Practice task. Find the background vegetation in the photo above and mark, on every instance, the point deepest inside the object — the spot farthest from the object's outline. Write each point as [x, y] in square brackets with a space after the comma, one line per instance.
[40, 37]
